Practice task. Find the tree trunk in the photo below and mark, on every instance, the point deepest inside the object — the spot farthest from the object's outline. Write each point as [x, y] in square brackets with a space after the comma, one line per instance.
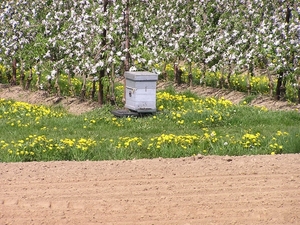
[222, 79]
[202, 79]
[127, 47]
[280, 89]
[71, 87]
[83, 89]
[279, 85]
[1, 76]
[164, 72]
[56, 85]
[271, 83]
[22, 76]
[112, 96]
[249, 82]
[127, 40]
[298, 94]
[190, 76]
[49, 86]
[178, 74]
[175, 73]
[102, 72]
[227, 82]
[100, 88]
[298, 86]
[13, 80]
[29, 79]
[38, 80]
[93, 91]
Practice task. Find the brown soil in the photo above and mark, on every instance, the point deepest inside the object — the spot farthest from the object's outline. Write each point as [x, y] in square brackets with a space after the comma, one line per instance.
[75, 106]
[196, 190]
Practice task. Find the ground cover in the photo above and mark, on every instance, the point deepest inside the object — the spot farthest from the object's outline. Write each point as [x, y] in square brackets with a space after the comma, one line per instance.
[185, 125]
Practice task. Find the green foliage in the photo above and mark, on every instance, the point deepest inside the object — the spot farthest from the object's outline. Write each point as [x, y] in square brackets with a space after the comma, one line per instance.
[184, 125]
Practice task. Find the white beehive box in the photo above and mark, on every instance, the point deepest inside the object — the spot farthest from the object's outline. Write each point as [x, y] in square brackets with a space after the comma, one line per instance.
[141, 91]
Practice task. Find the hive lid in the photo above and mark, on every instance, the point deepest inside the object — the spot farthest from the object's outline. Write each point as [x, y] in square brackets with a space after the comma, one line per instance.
[141, 76]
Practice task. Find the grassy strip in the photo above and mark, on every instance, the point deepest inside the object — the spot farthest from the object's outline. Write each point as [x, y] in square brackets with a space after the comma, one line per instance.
[185, 125]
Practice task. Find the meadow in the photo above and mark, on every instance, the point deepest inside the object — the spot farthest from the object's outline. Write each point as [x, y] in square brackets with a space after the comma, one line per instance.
[184, 125]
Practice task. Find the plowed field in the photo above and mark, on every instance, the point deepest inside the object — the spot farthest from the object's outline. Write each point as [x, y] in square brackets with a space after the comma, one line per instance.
[197, 190]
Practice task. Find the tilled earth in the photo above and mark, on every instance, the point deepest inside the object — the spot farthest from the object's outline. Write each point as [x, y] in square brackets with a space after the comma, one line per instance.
[195, 190]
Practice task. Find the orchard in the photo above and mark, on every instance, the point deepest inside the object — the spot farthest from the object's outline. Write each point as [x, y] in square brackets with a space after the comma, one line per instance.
[247, 45]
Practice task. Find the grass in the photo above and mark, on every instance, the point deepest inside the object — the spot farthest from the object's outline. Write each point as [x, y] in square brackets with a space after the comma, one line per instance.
[248, 99]
[184, 125]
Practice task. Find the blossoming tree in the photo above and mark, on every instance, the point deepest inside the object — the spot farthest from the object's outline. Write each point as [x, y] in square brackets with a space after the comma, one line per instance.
[100, 39]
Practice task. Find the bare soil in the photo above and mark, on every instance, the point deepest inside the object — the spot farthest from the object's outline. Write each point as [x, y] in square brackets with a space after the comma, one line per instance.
[185, 191]
[195, 190]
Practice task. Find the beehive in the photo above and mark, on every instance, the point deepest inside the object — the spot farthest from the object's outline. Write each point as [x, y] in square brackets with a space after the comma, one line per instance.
[140, 91]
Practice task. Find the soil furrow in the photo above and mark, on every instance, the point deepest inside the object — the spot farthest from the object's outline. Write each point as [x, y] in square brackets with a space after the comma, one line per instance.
[244, 190]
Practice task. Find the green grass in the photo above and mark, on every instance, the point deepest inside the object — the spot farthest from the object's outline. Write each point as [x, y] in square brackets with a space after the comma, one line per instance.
[184, 125]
